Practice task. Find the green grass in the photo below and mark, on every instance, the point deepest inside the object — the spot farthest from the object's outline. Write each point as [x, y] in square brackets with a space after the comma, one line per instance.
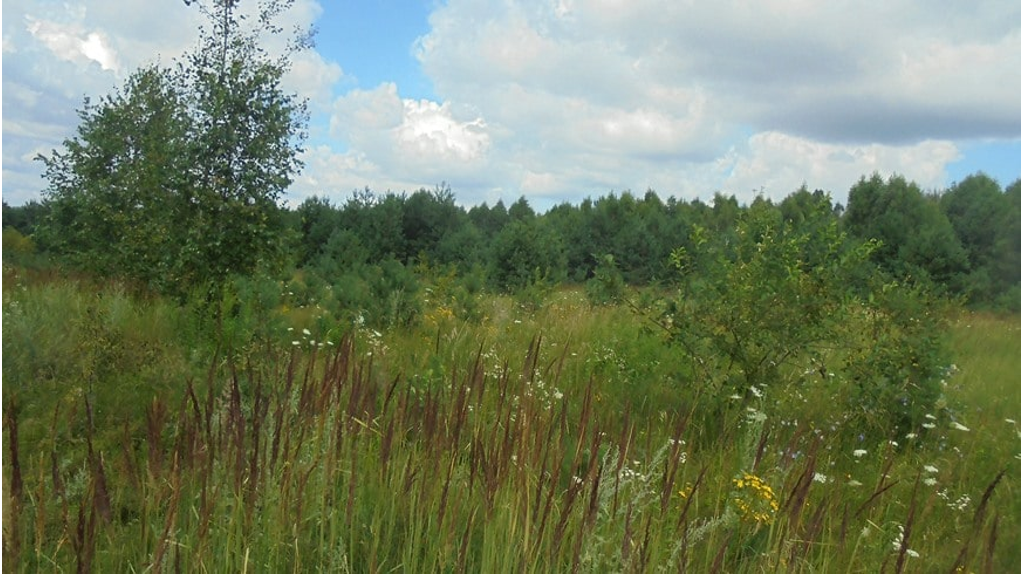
[567, 438]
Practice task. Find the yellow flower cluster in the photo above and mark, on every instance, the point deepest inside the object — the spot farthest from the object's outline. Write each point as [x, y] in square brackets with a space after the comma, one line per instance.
[439, 315]
[755, 499]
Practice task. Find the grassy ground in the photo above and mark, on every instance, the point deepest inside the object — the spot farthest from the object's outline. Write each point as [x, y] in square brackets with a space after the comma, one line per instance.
[567, 438]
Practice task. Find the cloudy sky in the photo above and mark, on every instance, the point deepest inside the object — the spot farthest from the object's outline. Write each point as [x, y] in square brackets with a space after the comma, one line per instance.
[558, 100]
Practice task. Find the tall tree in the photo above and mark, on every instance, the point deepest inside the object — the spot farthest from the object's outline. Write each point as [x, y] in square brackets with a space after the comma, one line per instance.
[247, 137]
[988, 225]
[917, 241]
[175, 180]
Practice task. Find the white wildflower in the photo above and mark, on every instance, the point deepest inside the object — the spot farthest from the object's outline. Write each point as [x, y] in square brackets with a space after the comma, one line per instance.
[930, 468]
[928, 425]
[859, 453]
[306, 332]
[929, 481]
[959, 427]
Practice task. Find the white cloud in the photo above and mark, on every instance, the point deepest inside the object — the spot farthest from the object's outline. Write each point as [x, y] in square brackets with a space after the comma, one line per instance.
[430, 133]
[413, 140]
[313, 77]
[585, 96]
[70, 42]
[776, 164]
[563, 99]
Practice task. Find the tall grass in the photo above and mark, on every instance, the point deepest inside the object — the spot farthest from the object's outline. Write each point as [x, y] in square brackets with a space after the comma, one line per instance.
[561, 439]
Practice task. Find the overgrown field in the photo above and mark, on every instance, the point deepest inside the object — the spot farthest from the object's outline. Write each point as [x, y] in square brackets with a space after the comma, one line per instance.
[561, 437]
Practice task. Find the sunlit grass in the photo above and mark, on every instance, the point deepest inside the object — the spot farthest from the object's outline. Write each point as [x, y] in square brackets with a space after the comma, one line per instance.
[563, 438]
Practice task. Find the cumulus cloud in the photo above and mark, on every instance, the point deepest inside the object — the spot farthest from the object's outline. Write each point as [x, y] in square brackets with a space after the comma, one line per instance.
[72, 43]
[413, 140]
[562, 99]
[603, 94]
[775, 164]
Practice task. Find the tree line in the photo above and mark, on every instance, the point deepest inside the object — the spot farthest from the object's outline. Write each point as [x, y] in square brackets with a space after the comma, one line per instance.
[964, 241]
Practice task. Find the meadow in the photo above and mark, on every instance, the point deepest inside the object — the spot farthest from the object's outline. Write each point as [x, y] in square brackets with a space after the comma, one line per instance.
[559, 437]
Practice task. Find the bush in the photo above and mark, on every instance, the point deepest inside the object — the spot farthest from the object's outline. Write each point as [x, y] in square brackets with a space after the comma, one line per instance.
[756, 315]
[607, 286]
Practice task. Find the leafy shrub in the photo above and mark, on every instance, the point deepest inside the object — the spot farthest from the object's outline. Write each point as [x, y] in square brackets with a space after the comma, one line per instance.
[755, 314]
[607, 285]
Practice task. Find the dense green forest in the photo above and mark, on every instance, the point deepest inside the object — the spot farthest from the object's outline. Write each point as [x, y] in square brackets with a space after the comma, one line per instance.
[370, 254]
[199, 378]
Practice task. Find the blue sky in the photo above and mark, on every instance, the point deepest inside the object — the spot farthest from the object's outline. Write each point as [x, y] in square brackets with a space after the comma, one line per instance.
[374, 41]
[557, 100]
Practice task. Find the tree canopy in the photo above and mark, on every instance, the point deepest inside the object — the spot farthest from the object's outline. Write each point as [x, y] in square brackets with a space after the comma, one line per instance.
[174, 181]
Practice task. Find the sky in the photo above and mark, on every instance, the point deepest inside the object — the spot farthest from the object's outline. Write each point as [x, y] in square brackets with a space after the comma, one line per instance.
[560, 100]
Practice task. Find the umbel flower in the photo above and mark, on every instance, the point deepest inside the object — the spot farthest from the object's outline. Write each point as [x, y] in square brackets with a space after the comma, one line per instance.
[754, 499]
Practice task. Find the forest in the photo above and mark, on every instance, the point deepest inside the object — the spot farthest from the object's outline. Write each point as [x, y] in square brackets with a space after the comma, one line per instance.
[201, 378]
[374, 253]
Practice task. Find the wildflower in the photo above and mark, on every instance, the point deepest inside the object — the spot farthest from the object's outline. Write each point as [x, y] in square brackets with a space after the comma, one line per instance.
[735, 397]
[687, 491]
[855, 482]
[859, 453]
[295, 343]
[930, 481]
[820, 478]
[306, 332]
[929, 416]
[756, 392]
[1011, 421]
[960, 504]
[930, 468]
[755, 499]
[911, 435]
[928, 425]
[959, 427]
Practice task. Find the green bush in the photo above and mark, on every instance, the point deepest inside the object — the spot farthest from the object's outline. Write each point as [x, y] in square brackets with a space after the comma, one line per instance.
[607, 286]
[755, 315]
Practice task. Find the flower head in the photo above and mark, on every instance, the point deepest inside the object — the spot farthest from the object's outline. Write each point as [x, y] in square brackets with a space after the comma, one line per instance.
[754, 499]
